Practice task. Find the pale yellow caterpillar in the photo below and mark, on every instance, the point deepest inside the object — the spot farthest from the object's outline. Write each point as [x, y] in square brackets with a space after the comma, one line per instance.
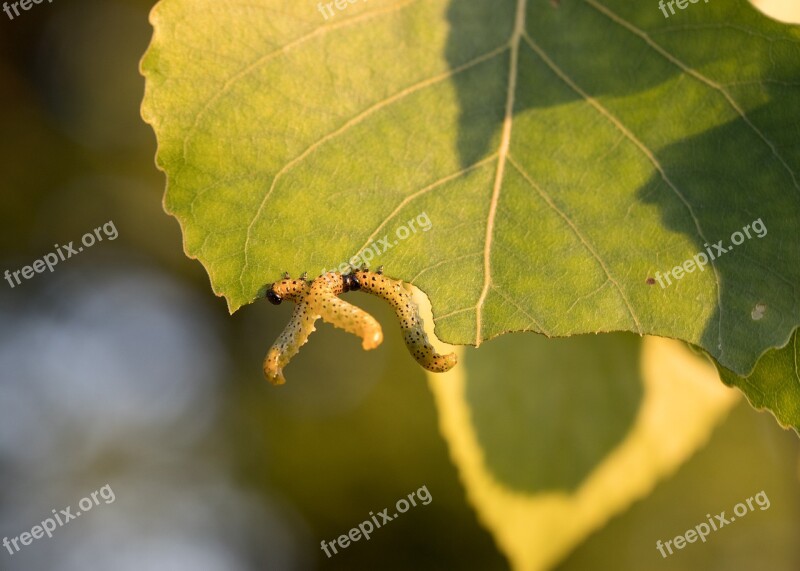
[300, 326]
[337, 312]
[319, 299]
[314, 300]
[395, 292]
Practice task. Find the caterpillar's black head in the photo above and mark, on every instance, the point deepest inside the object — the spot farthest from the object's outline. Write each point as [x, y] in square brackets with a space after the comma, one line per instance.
[273, 297]
[351, 282]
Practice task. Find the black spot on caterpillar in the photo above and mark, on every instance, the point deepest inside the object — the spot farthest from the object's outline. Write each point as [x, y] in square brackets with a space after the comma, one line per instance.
[339, 313]
[395, 292]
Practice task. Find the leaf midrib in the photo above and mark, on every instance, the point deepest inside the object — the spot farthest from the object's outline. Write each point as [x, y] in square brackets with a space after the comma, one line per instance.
[502, 155]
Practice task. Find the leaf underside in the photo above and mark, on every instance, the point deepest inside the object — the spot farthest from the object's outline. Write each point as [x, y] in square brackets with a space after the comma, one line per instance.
[564, 153]
[774, 385]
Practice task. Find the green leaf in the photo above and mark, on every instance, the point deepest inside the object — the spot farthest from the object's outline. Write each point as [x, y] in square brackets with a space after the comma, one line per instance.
[564, 153]
[544, 473]
[774, 384]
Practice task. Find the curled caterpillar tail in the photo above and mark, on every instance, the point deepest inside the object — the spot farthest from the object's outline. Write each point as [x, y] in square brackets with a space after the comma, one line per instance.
[425, 354]
[395, 292]
[337, 312]
[300, 326]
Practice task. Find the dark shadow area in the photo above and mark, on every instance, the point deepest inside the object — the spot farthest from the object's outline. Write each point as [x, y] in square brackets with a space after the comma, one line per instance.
[714, 183]
[729, 195]
[478, 28]
[547, 411]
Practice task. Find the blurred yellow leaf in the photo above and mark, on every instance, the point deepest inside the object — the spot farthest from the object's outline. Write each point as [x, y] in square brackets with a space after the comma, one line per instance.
[681, 402]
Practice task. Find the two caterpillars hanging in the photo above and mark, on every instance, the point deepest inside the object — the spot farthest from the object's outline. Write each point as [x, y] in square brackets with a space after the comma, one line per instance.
[319, 299]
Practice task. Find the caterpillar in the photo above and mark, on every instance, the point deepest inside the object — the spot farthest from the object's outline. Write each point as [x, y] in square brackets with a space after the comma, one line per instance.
[296, 333]
[395, 292]
[314, 300]
[319, 298]
[339, 313]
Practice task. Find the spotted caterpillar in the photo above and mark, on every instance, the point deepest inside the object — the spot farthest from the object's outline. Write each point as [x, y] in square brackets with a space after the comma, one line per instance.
[314, 300]
[396, 293]
[319, 299]
[337, 312]
[300, 326]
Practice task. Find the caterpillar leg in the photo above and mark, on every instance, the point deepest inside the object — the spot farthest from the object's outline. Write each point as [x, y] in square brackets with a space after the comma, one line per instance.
[395, 292]
[323, 297]
[296, 333]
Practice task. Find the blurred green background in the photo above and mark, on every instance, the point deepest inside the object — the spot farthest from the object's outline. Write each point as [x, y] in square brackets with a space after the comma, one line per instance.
[122, 368]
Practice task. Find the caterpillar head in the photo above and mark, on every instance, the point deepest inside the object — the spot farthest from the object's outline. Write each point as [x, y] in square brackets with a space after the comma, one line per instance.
[273, 297]
[286, 289]
[351, 283]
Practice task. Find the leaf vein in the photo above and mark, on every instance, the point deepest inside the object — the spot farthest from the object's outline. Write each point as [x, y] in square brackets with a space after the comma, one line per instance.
[411, 197]
[319, 32]
[521, 310]
[505, 144]
[650, 156]
[581, 237]
[443, 262]
[703, 79]
[346, 126]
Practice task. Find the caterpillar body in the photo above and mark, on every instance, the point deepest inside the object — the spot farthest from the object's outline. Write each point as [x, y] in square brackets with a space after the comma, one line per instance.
[296, 333]
[314, 300]
[396, 293]
[319, 298]
[323, 297]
